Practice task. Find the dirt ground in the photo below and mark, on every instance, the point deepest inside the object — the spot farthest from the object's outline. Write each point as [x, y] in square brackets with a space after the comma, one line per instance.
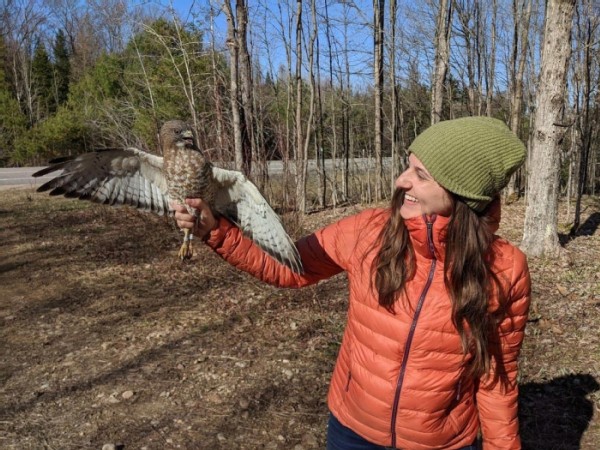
[106, 338]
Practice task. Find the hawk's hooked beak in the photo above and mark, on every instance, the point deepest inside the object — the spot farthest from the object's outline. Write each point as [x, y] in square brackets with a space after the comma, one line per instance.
[188, 138]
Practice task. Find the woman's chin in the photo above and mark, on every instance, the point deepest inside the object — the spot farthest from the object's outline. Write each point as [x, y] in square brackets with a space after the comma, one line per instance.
[410, 211]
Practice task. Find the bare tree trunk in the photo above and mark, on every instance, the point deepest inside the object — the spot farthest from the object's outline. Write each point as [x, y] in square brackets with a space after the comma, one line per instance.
[301, 162]
[595, 136]
[573, 165]
[19, 23]
[522, 19]
[378, 29]
[234, 88]
[334, 144]
[540, 236]
[287, 149]
[465, 11]
[479, 55]
[442, 58]
[217, 91]
[245, 72]
[261, 152]
[346, 111]
[395, 128]
[319, 144]
[585, 33]
[491, 73]
[311, 106]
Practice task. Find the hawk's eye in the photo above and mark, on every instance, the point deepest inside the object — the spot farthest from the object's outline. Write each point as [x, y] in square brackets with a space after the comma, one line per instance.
[178, 131]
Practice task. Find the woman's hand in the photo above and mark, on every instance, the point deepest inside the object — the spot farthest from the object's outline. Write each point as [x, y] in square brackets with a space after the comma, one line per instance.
[201, 225]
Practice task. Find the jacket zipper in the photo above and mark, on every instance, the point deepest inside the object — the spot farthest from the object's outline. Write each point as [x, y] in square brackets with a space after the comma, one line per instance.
[413, 326]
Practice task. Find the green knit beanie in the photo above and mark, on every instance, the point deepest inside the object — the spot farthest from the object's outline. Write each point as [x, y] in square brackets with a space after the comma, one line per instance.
[472, 157]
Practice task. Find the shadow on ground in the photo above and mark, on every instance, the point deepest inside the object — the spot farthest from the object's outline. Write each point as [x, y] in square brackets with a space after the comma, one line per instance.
[587, 228]
[555, 414]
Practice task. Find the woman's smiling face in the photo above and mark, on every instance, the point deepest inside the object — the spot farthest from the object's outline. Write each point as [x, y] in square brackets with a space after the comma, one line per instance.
[422, 194]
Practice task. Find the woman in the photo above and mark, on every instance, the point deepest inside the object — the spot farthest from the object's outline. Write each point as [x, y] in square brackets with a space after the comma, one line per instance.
[438, 303]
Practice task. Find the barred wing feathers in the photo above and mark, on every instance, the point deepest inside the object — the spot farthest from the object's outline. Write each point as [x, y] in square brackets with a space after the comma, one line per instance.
[241, 202]
[113, 177]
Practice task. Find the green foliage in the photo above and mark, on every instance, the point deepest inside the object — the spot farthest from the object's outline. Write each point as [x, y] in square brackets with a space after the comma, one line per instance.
[41, 74]
[163, 68]
[125, 97]
[62, 67]
[104, 81]
[12, 122]
[62, 134]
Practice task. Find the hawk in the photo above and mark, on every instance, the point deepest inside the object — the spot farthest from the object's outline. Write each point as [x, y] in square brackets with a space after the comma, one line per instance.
[148, 182]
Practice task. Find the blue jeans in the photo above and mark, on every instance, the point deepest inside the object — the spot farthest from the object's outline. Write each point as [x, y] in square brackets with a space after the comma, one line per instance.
[340, 437]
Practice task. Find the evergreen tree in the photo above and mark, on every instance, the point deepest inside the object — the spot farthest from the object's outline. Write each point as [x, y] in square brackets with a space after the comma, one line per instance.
[12, 120]
[42, 78]
[62, 68]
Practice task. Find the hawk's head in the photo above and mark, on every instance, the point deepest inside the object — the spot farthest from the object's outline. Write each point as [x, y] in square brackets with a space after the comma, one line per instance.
[176, 134]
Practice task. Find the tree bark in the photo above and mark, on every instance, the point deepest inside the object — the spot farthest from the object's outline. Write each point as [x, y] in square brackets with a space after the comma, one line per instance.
[286, 140]
[301, 166]
[319, 126]
[346, 112]
[312, 101]
[522, 18]
[522, 21]
[442, 57]
[395, 127]
[334, 139]
[249, 142]
[234, 88]
[465, 12]
[491, 72]
[540, 236]
[220, 133]
[378, 33]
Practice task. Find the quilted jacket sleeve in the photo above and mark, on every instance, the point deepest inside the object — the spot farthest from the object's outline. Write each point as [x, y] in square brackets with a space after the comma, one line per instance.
[497, 402]
[324, 253]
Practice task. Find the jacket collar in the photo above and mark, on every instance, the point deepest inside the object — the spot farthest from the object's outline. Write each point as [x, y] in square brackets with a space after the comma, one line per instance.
[428, 235]
[423, 245]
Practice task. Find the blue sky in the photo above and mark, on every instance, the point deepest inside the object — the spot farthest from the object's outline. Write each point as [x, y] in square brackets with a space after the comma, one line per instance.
[414, 30]
[268, 45]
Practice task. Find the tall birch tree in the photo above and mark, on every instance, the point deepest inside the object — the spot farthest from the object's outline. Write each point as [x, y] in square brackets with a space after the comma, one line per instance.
[540, 236]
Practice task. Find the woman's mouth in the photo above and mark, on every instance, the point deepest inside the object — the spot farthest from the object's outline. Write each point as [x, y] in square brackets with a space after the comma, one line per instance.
[410, 198]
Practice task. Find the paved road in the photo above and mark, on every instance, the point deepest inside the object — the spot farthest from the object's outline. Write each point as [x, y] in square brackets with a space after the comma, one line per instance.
[21, 176]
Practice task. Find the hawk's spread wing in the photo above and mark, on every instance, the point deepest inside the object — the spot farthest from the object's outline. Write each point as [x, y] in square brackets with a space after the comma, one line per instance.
[114, 177]
[242, 203]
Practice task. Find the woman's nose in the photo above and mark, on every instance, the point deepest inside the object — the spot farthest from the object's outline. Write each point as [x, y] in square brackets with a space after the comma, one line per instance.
[402, 181]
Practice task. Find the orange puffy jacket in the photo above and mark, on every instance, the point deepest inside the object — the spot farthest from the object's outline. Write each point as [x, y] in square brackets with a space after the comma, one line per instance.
[398, 377]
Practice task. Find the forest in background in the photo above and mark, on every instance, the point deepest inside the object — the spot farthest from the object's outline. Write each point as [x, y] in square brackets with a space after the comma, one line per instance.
[295, 80]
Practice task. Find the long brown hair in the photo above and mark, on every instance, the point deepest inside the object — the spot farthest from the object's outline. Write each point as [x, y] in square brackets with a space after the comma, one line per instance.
[468, 276]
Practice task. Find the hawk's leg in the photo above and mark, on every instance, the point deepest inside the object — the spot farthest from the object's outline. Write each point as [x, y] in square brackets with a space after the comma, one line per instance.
[187, 250]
